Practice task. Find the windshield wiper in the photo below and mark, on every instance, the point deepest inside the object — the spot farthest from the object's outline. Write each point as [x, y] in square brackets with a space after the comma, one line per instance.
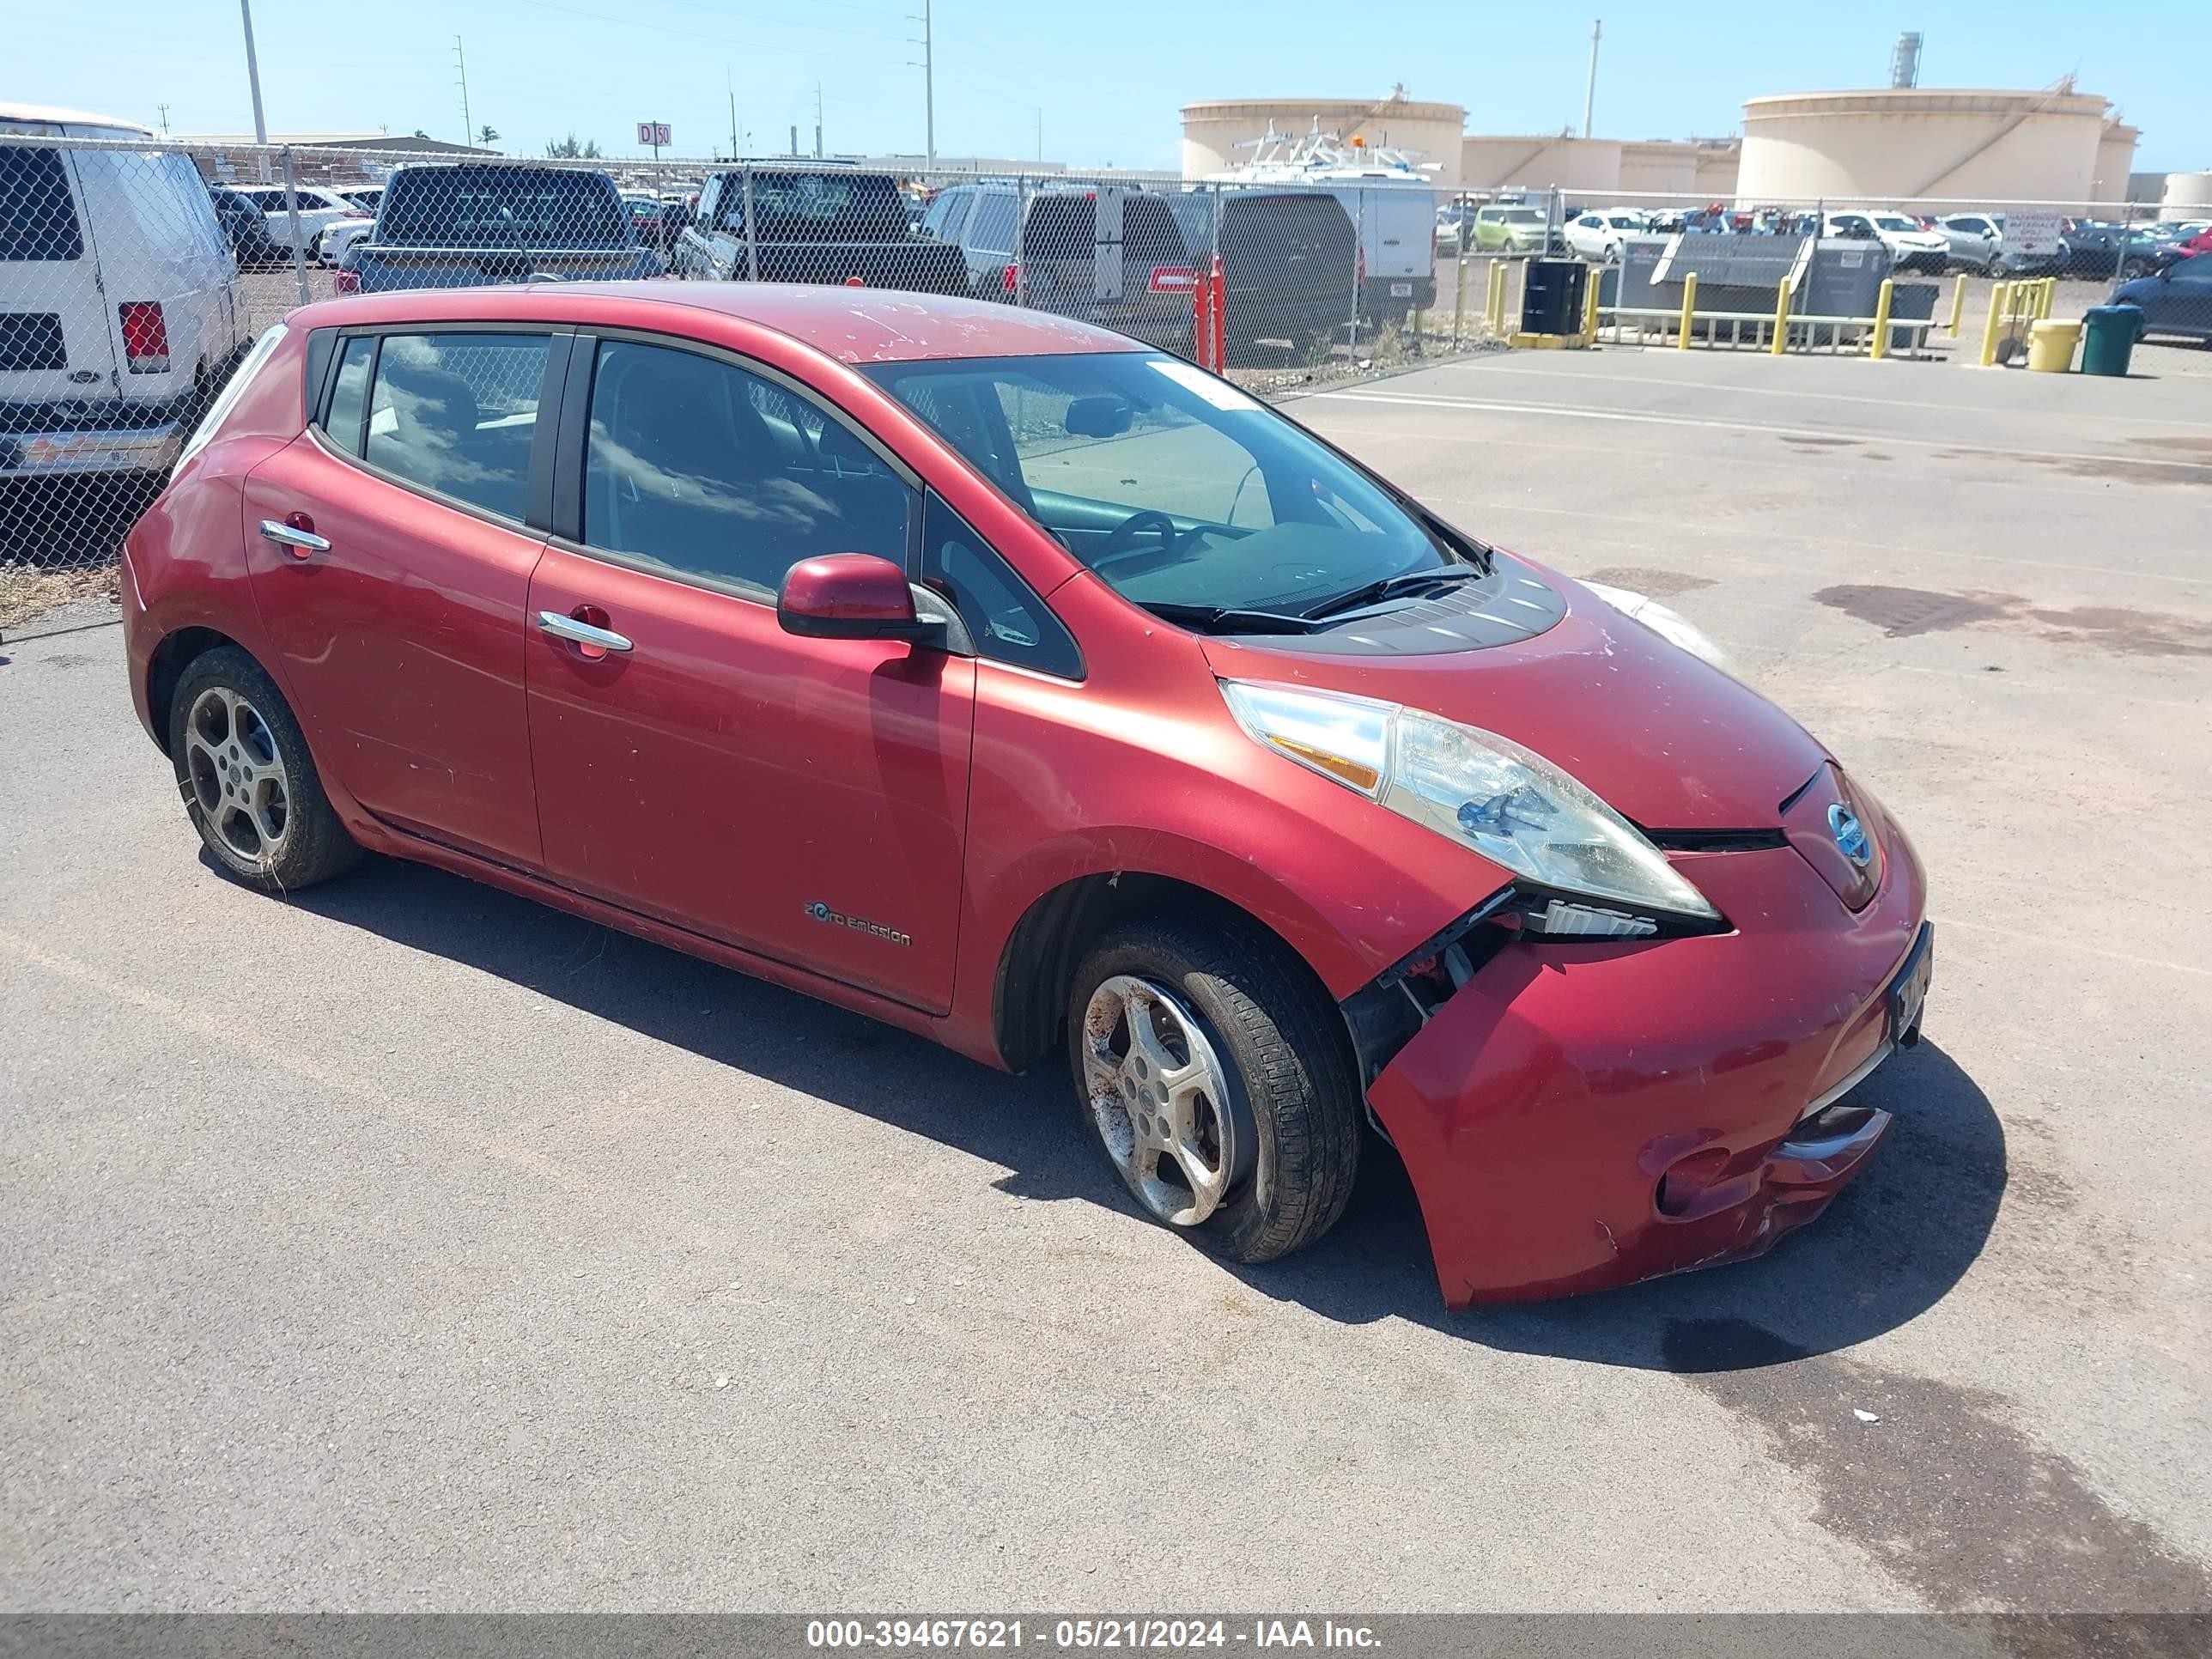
[1227, 619]
[1391, 588]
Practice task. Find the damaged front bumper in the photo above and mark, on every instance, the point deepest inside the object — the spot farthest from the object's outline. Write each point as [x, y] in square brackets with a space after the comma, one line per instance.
[1576, 1117]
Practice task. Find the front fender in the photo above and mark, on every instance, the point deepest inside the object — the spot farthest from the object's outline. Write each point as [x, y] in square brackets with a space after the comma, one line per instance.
[1155, 778]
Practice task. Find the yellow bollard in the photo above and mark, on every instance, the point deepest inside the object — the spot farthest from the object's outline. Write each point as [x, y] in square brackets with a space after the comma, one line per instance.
[1880, 346]
[1781, 317]
[1999, 297]
[1493, 304]
[1458, 288]
[1958, 303]
[1689, 310]
[1589, 305]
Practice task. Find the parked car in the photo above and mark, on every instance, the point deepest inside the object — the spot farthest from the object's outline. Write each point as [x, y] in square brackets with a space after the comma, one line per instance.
[121, 308]
[1454, 225]
[650, 217]
[1910, 248]
[246, 230]
[813, 222]
[1289, 270]
[340, 234]
[1111, 256]
[2176, 299]
[1975, 241]
[1599, 236]
[318, 209]
[1505, 230]
[475, 223]
[1040, 693]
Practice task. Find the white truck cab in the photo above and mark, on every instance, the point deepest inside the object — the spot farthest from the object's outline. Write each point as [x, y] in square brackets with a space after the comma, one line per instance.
[120, 309]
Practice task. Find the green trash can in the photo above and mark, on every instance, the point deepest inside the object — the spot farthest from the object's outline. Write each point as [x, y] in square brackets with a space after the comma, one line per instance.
[2109, 338]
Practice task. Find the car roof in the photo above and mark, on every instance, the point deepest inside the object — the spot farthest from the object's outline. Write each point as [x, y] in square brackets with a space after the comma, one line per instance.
[46, 116]
[854, 326]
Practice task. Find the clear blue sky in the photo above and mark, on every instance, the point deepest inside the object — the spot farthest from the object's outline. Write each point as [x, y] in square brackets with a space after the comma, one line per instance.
[1109, 77]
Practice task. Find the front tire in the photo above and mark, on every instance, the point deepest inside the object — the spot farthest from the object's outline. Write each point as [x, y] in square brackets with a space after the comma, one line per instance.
[249, 785]
[1215, 1076]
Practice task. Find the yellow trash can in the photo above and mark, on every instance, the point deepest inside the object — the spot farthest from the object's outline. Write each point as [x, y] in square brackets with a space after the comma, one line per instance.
[2050, 345]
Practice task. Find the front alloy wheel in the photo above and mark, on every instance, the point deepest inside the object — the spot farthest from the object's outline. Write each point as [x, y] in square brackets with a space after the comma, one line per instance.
[1217, 1076]
[1159, 1099]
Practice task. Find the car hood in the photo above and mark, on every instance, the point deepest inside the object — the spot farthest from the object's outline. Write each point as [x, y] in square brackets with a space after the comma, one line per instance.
[1671, 742]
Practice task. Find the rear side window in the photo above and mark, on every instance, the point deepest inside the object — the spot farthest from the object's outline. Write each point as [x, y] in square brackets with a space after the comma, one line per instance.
[455, 413]
[994, 223]
[37, 219]
[349, 396]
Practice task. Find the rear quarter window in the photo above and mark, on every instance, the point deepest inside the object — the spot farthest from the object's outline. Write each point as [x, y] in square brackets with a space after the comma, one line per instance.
[37, 215]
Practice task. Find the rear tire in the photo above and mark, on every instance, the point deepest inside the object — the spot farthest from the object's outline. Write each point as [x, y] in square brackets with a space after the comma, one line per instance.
[249, 785]
[1234, 1112]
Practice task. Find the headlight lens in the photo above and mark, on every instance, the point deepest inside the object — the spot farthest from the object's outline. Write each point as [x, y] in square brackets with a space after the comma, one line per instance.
[1472, 787]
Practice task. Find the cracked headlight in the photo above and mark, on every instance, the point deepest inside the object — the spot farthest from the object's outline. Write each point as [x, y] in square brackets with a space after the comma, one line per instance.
[1472, 786]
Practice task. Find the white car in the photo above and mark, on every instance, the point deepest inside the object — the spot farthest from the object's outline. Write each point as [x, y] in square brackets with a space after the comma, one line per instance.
[1598, 236]
[340, 235]
[1910, 248]
[319, 209]
[119, 296]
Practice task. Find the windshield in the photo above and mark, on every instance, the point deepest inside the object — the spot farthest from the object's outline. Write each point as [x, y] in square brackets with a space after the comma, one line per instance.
[1896, 221]
[1519, 216]
[1176, 488]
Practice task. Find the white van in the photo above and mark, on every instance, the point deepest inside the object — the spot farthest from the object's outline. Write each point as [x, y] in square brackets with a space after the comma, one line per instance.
[120, 310]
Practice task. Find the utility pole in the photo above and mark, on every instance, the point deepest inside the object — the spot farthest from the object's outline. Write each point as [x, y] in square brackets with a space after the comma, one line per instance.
[817, 120]
[1040, 132]
[468, 126]
[730, 87]
[164, 109]
[928, 67]
[253, 80]
[1589, 97]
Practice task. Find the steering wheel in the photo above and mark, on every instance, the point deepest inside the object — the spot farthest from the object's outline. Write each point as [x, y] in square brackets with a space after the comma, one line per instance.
[1174, 543]
[1121, 538]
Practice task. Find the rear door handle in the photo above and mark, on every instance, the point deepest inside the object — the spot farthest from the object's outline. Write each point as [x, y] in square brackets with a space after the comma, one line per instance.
[302, 542]
[580, 633]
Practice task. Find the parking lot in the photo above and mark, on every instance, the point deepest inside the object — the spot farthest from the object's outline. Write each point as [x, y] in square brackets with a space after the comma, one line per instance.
[407, 1246]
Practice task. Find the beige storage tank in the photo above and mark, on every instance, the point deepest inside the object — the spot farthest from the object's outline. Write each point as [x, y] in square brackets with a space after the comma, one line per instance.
[1898, 143]
[1219, 134]
[1589, 167]
[2116, 159]
[2188, 196]
[1661, 169]
[1719, 161]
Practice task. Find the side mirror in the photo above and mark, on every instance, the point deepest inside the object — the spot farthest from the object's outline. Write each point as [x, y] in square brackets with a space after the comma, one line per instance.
[1098, 417]
[850, 596]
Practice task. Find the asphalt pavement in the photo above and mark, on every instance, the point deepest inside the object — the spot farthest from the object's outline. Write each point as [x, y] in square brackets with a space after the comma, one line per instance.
[406, 1246]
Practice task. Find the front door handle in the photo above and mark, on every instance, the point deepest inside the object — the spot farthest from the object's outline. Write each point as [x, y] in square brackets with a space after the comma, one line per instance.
[301, 540]
[580, 633]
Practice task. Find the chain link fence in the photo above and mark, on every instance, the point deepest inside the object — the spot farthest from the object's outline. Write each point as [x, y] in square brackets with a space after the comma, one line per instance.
[134, 275]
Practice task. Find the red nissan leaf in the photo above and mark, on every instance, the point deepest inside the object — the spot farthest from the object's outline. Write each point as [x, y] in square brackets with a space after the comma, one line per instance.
[1030, 689]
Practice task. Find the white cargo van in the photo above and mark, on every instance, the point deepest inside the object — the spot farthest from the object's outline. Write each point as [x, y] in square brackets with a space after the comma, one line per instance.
[1389, 198]
[120, 309]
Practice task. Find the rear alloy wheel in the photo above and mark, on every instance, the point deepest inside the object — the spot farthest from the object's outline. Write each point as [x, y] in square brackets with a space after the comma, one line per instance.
[249, 786]
[1215, 1076]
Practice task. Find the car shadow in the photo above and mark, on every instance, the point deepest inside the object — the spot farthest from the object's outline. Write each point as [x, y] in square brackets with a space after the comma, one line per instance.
[1890, 1247]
